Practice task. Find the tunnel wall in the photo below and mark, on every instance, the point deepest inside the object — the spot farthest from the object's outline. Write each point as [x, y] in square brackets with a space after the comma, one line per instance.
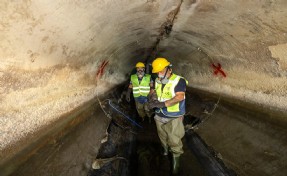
[57, 55]
[248, 39]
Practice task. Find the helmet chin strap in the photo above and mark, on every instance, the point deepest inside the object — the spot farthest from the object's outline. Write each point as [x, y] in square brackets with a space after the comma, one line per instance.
[164, 80]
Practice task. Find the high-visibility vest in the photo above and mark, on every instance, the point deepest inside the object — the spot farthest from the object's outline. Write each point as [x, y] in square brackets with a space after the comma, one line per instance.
[142, 88]
[168, 93]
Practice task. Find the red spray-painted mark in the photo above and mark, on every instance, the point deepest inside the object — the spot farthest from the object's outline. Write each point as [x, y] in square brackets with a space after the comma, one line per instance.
[217, 69]
[101, 69]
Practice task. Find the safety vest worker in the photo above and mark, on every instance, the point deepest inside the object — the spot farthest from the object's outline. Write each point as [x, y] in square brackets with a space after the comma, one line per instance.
[169, 109]
[140, 85]
[167, 92]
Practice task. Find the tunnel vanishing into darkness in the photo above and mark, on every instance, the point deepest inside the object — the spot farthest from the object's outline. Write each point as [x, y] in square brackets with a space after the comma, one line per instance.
[60, 60]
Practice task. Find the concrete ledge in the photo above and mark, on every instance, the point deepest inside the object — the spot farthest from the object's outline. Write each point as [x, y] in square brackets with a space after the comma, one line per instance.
[52, 133]
[259, 111]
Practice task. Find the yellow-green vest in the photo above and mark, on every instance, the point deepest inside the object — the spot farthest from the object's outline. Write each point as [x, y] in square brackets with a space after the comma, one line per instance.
[168, 93]
[142, 88]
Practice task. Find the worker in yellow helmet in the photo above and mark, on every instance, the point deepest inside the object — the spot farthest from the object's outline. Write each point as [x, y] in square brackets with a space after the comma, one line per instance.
[169, 109]
[140, 84]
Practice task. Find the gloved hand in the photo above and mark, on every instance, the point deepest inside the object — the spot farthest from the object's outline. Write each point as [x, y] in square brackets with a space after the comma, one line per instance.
[152, 97]
[156, 104]
[128, 95]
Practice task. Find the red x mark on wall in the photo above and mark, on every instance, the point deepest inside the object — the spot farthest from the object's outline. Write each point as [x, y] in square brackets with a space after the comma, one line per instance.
[218, 70]
[101, 69]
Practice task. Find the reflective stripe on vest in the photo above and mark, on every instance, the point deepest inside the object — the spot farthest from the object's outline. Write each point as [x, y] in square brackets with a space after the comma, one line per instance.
[168, 93]
[143, 88]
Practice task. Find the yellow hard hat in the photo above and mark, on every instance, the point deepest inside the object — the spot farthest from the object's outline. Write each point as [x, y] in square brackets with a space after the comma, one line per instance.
[140, 64]
[159, 64]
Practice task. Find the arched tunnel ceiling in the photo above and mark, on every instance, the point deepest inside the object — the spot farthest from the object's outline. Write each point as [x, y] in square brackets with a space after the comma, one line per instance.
[51, 53]
[247, 38]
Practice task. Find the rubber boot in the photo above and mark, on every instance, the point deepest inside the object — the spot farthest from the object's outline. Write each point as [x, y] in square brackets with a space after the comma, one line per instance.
[175, 165]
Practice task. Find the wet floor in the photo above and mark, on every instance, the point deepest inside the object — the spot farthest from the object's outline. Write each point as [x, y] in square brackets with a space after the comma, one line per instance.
[143, 153]
[141, 146]
[131, 147]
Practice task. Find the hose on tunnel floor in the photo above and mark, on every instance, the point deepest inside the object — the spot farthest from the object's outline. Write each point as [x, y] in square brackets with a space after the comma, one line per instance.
[127, 117]
[107, 114]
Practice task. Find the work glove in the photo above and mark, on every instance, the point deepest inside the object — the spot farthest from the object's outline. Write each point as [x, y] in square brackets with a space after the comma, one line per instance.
[128, 95]
[156, 104]
[152, 97]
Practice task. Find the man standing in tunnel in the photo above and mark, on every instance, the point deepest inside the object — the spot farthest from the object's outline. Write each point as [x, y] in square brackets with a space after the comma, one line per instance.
[169, 107]
[140, 84]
